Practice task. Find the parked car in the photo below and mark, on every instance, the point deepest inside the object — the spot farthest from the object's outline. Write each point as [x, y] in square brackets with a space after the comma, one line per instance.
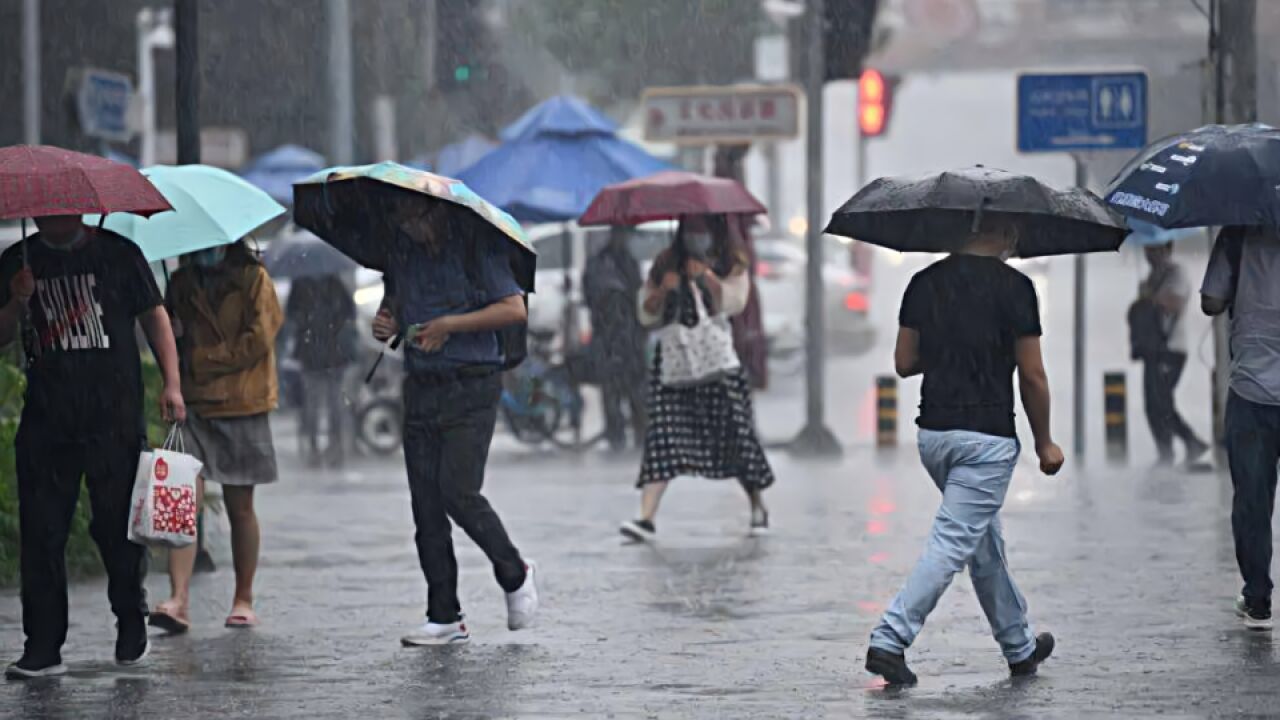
[780, 276]
[562, 256]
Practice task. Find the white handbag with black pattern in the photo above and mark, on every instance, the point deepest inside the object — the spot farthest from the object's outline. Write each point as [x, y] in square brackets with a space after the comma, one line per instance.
[699, 354]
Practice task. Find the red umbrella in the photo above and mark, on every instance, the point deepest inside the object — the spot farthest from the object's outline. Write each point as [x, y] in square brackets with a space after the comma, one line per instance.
[38, 181]
[669, 195]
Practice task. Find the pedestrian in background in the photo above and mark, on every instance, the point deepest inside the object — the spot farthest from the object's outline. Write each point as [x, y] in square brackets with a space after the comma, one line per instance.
[611, 282]
[966, 323]
[450, 297]
[1159, 340]
[1241, 277]
[82, 290]
[227, 317]
[705, 429]
[322, 315]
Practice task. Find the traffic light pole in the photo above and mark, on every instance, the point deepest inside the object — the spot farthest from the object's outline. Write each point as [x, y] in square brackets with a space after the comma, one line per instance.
[816, 439]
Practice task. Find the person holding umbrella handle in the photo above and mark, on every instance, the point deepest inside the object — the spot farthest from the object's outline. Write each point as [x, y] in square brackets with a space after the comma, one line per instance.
[967, 322]
[83, 289]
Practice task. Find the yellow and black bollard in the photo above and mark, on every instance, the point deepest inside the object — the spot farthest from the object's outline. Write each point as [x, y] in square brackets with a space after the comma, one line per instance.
[886, 411]
[1115, 409]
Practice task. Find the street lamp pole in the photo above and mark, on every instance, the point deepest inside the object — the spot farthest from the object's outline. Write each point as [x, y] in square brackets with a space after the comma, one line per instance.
[187, 42]
[31, 72]
[342, 105]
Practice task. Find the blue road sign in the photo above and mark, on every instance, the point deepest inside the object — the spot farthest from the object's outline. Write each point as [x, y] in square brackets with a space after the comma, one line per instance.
[1096, 111]
[103, 104]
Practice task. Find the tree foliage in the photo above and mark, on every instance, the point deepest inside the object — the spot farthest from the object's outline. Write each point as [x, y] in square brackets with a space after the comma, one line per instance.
[623, 46]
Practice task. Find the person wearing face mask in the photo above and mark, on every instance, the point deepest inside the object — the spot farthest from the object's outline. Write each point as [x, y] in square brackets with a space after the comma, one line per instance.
[706, 428]
[76, 292]
[450, 294]
[227, 316]
[967, 322]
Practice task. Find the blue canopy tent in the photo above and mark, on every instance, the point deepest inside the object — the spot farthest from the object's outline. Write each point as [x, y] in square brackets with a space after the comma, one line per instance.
[554, 161]
[456, 157]
[276, 171]
[563, 115]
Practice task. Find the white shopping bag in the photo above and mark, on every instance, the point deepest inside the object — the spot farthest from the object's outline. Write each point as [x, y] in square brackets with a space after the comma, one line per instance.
[163, 511]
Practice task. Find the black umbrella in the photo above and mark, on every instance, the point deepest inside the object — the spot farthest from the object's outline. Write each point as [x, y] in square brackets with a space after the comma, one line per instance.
[1214, 175]
[941, 212]
[305, 255]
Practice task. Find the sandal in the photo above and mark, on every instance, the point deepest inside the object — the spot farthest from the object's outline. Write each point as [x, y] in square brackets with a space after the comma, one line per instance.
[171, 624]
[242, 620]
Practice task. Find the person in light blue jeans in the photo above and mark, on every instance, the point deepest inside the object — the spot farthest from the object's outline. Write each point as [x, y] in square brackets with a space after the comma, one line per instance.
[973, 471]
[967, 322]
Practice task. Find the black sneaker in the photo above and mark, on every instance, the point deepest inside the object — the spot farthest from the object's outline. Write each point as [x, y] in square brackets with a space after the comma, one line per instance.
[1196, 450]
[639, 530]
[132, 644]
[30, 667]
[759, 522]
[1044, 648]
[890, 666]
[1253, 619]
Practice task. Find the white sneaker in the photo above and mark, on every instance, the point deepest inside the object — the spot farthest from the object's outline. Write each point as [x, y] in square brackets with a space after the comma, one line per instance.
[522, 604]
[436, 634]
[25, 670]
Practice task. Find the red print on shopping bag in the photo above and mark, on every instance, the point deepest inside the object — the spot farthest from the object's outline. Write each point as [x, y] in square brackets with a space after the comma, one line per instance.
[162, 470]
[174, 511]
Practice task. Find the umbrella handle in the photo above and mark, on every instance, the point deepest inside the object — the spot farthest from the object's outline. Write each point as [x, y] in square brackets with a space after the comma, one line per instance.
[392, 342]
[977, 215]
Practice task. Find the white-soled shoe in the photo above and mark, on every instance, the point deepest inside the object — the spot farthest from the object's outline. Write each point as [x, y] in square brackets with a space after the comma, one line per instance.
[436, 634]
[522, 605]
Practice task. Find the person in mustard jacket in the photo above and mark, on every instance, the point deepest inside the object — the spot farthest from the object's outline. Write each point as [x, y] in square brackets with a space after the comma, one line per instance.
[227, 317]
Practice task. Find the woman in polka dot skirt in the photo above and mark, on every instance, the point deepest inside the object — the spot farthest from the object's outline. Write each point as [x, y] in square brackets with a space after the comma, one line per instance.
[705, 429]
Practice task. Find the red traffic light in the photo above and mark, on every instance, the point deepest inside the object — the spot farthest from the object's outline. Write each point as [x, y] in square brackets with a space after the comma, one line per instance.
[873, 102]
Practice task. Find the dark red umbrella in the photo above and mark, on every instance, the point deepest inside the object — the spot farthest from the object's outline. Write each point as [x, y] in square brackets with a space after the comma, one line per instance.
[38, 181]
[669, 195]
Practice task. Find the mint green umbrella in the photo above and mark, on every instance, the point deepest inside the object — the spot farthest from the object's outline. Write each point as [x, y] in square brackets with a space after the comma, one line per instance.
[211, 207]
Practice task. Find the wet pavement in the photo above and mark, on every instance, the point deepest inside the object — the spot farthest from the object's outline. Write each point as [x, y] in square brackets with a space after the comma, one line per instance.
[1132, 570]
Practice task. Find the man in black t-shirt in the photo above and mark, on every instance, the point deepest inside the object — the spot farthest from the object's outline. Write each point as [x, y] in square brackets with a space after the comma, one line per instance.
[73, 294]
[966, 323]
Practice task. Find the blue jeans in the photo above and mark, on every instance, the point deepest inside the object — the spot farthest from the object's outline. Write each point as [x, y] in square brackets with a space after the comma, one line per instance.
[1253, 448]
[973, 471]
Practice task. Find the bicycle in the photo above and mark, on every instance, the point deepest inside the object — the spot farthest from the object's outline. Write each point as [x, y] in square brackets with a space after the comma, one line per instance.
[541, 402]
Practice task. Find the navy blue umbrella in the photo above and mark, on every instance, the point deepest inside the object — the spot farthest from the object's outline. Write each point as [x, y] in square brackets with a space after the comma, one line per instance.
[560, 155]
[1214, 175]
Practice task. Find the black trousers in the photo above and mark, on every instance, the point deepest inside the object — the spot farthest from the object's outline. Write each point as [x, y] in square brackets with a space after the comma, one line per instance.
[1253, 449]
[49, 472]
[448, 427]
[1159, 380]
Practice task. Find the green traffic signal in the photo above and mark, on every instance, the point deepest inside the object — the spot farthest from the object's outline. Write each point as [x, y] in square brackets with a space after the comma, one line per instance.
[462, 73]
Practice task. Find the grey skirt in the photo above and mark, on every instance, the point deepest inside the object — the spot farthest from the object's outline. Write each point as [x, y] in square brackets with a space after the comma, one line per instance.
[234, 450]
